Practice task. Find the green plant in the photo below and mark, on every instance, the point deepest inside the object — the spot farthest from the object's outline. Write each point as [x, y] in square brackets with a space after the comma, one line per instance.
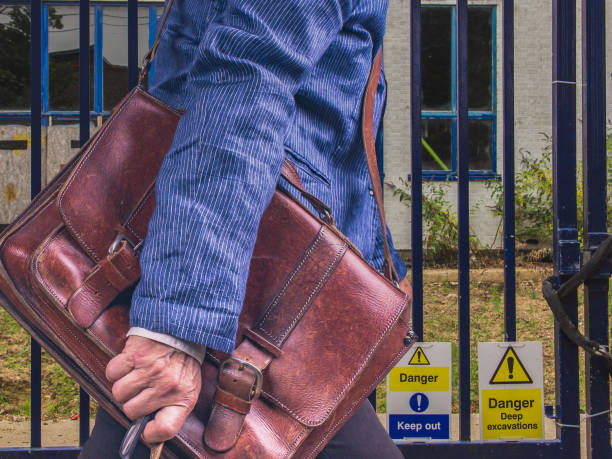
[533, 193]
[440, 222]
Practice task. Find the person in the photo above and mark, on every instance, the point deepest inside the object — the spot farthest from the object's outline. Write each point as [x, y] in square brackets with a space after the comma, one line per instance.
[259, 80]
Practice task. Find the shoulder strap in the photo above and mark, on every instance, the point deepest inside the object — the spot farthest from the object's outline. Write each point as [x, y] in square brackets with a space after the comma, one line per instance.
[367, 128]
[146, 62]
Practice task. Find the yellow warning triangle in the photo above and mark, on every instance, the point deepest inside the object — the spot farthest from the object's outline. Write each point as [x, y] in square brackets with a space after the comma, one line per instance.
[511, 370]
[419, 358]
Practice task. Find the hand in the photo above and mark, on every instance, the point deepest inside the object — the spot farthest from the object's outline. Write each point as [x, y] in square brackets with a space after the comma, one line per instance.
[148, 376]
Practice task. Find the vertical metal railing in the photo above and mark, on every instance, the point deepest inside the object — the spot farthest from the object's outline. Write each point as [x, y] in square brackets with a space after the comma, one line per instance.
[508, 172]
[463, 214]
[565, 234]
[416, 226]
[595, 222]
[132, 43]
[84, 83]
[35, 186]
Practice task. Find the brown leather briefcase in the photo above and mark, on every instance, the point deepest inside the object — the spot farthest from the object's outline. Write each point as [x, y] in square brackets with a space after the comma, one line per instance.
[319, 329]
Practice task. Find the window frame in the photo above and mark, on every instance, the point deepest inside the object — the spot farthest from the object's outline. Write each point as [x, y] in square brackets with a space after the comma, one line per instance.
[451, 114]
[98, 61]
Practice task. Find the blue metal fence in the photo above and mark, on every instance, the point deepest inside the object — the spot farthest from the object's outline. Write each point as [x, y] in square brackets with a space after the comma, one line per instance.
[566, 244]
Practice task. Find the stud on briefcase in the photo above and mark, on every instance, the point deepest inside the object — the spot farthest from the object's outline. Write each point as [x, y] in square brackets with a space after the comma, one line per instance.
[69, 262]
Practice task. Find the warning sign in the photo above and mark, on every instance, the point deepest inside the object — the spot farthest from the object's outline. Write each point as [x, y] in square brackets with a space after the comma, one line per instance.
[419, 394]
[419, 357]
[511, 390]
[510, 370]
[410, 379]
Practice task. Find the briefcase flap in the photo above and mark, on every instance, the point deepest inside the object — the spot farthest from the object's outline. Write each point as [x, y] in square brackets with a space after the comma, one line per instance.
[129, 140]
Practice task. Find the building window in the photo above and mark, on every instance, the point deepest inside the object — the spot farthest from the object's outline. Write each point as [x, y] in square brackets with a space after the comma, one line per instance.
[439, 82]
[14, 57]
[60, 55]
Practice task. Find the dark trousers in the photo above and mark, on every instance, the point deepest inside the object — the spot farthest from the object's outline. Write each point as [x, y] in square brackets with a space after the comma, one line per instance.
[362, 436]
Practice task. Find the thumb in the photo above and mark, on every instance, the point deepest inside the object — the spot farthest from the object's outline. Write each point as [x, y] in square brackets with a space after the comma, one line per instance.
[165, 425]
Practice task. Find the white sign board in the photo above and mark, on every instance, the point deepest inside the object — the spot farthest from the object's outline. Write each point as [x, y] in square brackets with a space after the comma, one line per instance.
[419, 398]
[510, 382]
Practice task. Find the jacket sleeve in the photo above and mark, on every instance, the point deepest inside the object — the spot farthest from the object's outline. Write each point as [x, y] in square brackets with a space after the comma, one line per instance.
[222, 168]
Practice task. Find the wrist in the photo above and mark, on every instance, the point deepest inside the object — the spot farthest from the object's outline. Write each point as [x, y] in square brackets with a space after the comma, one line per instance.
[197, 351]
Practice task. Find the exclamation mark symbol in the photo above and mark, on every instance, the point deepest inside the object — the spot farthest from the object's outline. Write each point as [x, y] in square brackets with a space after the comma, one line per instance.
[510, 367]
[419, 398]
[419, 358]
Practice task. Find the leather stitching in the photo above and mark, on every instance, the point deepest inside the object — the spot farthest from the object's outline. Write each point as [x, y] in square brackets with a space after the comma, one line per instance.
[82, 163]
[392, 321]
[128, 224]
[314, 292]
[38, 275]
[282, 291]
[66, 329]
[363, 395]
[296, 442]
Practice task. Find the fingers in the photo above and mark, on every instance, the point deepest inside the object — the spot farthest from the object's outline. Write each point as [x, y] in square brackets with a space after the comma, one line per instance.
[130, 385]
[157, 396]
[118, 367]
[165, 425]
[144, 403]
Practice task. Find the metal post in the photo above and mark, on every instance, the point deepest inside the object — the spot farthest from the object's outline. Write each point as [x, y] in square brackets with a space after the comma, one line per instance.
[463, 220]
[132, 43]
[595, 221]
[35, 185]
[508, 152]
[565, 235]
[98, 61]
[83, 136]
[152, 34]
[416, 169]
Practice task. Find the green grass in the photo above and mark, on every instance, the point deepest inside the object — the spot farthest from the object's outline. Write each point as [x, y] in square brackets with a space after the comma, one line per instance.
[60, 394]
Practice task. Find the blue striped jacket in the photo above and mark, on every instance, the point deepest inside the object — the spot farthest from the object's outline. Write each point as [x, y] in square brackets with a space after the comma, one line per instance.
[259, 79]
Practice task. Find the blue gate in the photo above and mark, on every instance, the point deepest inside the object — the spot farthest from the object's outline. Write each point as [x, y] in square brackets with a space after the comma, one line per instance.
[567, 251]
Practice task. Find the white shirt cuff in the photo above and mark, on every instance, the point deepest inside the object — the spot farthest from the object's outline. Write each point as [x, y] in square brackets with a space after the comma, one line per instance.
[197, 351]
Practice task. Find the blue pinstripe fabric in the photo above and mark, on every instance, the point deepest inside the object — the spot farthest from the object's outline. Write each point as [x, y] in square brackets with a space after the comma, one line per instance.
[259, 80]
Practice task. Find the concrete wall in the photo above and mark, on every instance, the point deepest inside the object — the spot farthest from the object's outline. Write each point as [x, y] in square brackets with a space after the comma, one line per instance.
[533, 102]
[15, 164]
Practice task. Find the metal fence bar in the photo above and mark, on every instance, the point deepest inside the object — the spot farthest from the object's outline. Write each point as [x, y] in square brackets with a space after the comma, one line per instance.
[595, 221]
[132, 43]
[508, 174]
[463, 220]
[83, 137]
[59, 452]
[416, 207]
[485, 450]
[565, 235]
[35, 186]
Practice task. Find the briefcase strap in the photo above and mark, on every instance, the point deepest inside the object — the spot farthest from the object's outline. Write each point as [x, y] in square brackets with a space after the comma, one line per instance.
[369, 144]
[146, 62]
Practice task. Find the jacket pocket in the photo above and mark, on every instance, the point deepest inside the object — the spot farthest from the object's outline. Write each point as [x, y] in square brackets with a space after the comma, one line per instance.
[307, 172]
